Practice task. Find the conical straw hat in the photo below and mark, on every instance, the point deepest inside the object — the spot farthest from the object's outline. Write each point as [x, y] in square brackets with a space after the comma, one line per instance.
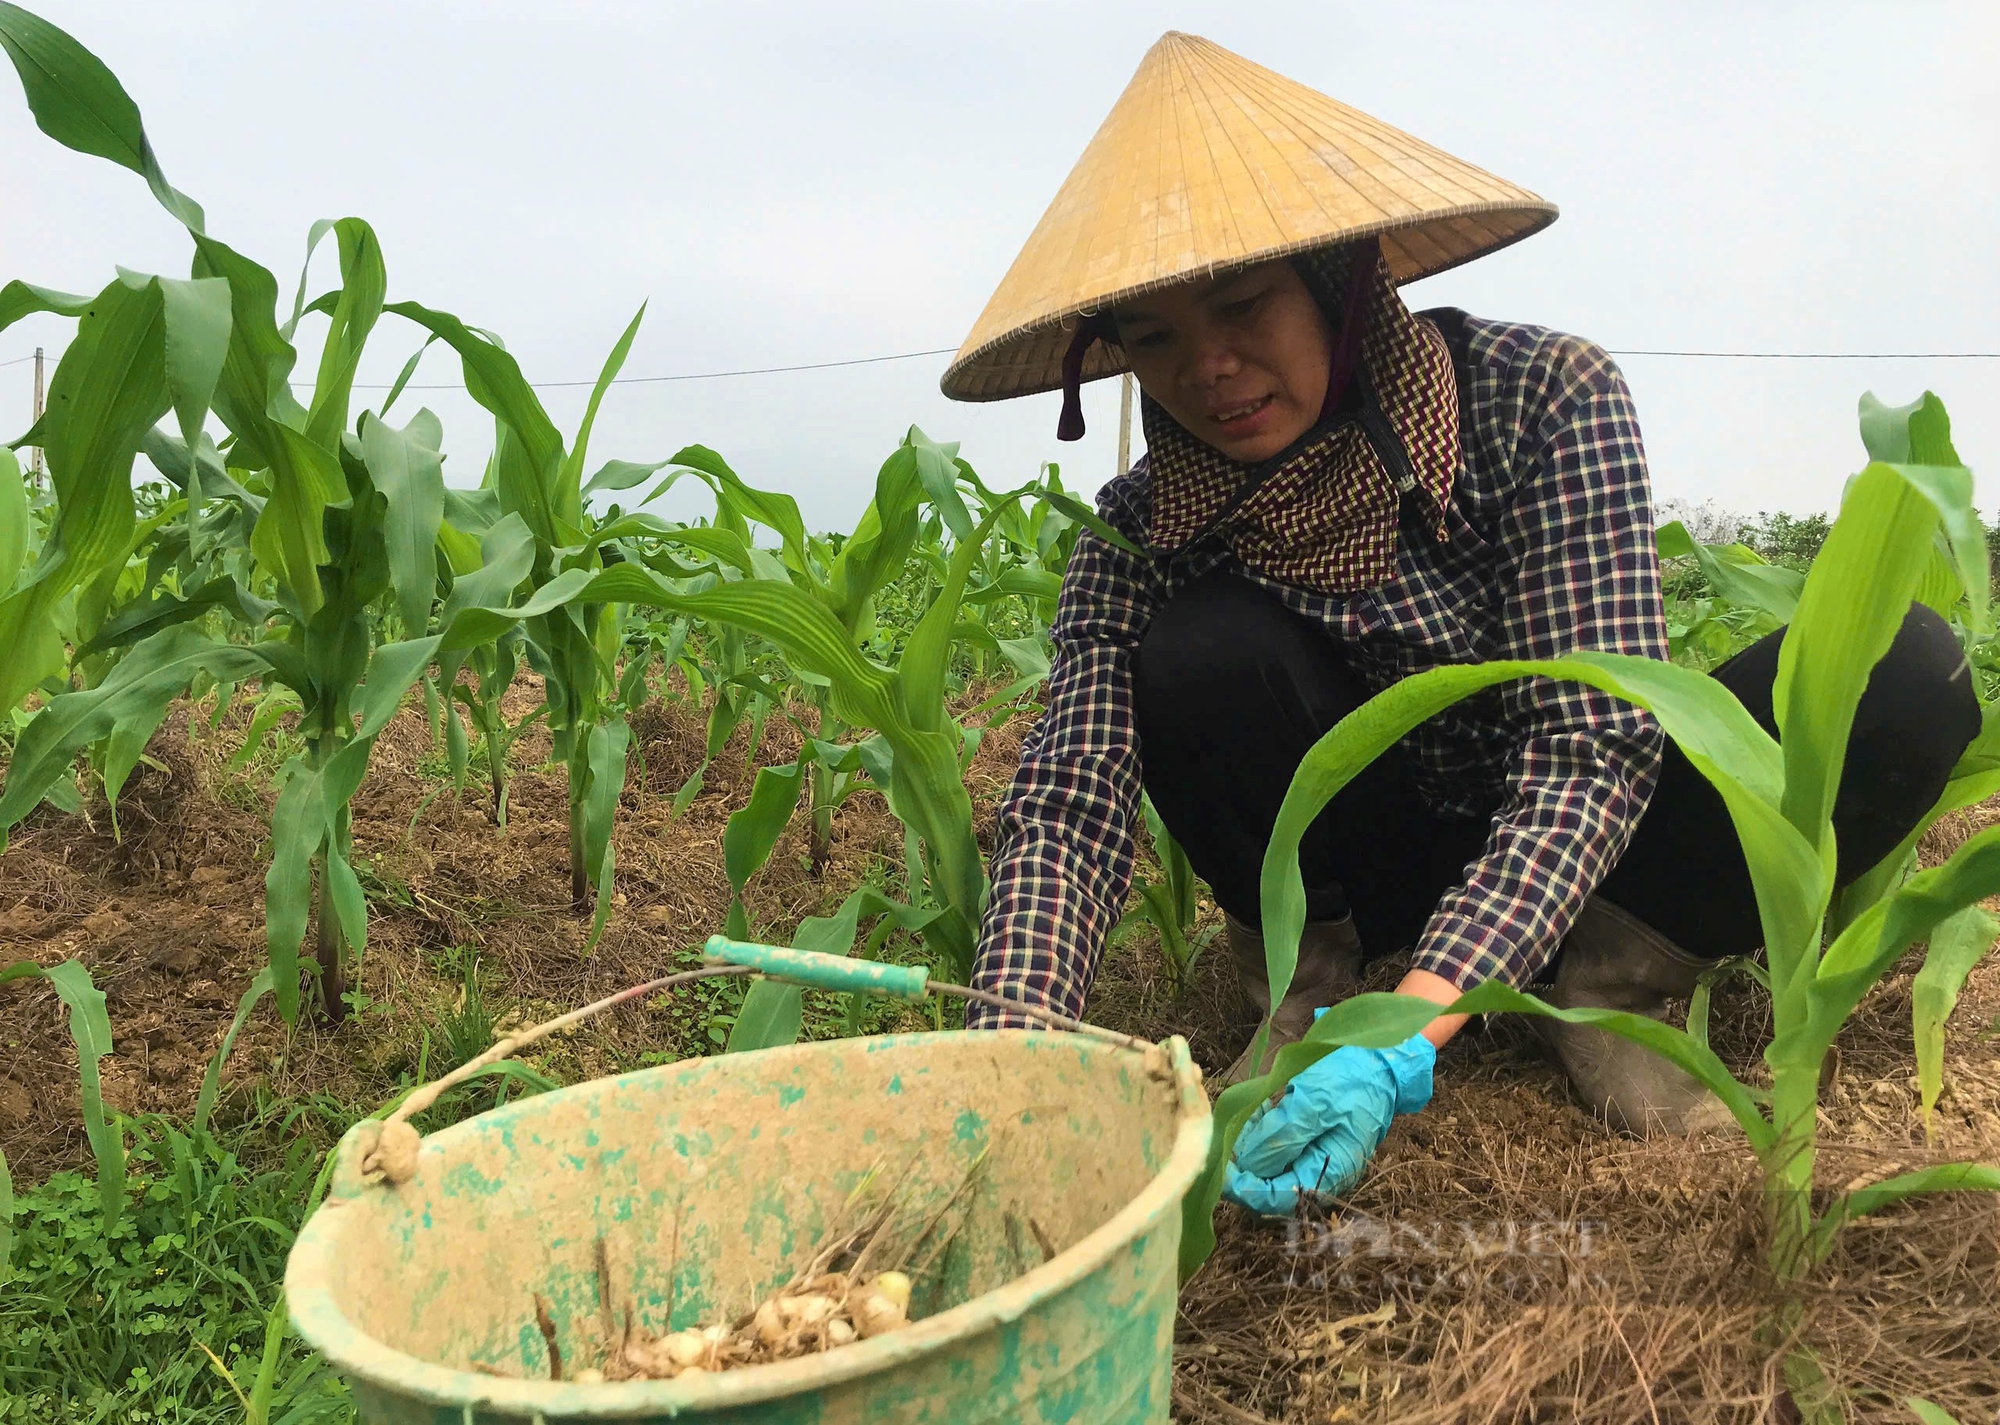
[1209, 162]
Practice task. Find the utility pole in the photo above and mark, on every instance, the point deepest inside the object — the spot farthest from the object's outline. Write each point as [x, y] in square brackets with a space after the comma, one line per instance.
[35, 471]
[1124, 419]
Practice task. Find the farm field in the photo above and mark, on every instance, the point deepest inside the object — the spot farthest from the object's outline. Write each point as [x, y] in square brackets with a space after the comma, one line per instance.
[323, 776]
[1659, 1297]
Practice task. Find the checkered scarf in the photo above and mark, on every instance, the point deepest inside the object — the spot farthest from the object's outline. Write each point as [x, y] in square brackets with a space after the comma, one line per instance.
[1324, 517]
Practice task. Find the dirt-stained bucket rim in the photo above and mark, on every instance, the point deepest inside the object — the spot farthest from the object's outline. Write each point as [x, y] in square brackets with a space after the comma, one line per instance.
[317, 1317]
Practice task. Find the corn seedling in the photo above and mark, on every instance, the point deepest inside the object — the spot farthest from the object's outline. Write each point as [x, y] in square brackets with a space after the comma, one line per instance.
[1167, 903]
[90, 1028]
[339, 522]
[1780, 795]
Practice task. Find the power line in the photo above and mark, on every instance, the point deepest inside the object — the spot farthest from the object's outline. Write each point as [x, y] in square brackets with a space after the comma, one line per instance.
[951, 350]
[683, 376]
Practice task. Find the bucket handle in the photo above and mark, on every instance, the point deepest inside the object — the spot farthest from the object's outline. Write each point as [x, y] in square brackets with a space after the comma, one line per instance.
[389, 1146]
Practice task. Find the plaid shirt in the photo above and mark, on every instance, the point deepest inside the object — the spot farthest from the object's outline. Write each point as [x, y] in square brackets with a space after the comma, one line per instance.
[1548, 548]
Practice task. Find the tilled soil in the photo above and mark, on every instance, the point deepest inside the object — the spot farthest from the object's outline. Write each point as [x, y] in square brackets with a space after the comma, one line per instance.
[1506, 1260]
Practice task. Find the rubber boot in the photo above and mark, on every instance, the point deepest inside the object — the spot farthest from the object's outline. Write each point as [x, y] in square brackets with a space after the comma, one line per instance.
[1612, 960]
[1329, 970]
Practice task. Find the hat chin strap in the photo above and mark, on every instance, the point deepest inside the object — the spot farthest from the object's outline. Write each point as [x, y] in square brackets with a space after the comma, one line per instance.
[1088, 332]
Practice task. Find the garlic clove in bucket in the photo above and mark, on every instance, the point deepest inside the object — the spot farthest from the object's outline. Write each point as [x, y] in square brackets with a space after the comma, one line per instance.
[895, 1286]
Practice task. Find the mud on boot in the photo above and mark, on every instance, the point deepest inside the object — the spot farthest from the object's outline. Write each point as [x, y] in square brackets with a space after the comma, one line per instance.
[1612, 960]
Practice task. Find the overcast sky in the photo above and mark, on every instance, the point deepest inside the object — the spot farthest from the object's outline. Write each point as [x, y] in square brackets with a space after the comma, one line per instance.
[799, 183]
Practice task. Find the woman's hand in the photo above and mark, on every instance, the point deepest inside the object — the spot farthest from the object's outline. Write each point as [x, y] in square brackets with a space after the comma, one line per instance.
[1317, 1140]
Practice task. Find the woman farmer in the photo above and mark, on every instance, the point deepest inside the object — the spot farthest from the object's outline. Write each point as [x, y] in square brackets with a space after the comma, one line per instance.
[1338, 493]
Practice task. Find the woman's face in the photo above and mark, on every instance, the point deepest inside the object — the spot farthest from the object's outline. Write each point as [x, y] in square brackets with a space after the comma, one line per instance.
[1240, 361]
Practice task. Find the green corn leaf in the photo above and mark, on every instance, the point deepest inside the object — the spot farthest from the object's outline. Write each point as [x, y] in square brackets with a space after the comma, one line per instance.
[1949, 490]
[1027, 656]
[725, 545]
[204, 473]
[1965, 789]
[90, 1027]
[1885, 430]
[197, 344]
[1672, 541]
[315, 235]
[393, 670]
[1942, 1177]
[254, 395]
[211, 1079]
[752, 832]
[24, 299]
[1940, 589]
[141, 683]
[1092, 521]
[123, 749]
[1863, 952]
[687, 791]
[880, 546]
[1929, 1413]
[1983, 755]
[610, 743]
[1374, 1020]
[403, 377]
[777, 512]
[363, 285]
[1718, 735]
[407, 468]
[569, 495]
[920, 677]
[1741, 577]
[937, 469]
[801, 626]
[350, 903]
[143, 618]
[526, 460]
[81, 105]
[433, 710]
[1852, 607]
[1917, 439]
[624, 474]
[1705, 982]
[107, 391]
[1018, 582]
[507, 558]
[1179, 875]
[13, 520]
[270, 710]
[289, 538]
[1957, 943]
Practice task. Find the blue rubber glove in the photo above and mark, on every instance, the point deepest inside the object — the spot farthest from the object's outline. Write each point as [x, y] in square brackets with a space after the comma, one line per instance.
[1317, 1140]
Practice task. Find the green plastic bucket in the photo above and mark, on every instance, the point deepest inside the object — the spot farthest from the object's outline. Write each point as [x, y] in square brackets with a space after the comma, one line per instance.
[710, 1181]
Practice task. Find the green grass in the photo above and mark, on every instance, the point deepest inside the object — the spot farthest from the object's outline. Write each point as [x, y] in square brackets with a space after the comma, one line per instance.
[102, 1326]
